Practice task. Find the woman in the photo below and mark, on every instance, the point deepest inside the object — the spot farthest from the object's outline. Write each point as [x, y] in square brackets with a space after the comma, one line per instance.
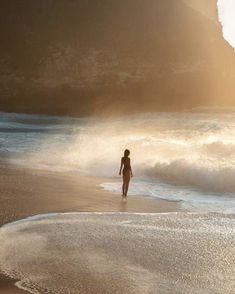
[125, 170]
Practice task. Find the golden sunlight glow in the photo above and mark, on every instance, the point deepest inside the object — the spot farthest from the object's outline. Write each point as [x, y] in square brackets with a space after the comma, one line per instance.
[226, 10]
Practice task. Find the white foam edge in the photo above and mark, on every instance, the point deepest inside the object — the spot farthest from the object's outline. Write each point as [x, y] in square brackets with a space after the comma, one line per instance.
[39, 217]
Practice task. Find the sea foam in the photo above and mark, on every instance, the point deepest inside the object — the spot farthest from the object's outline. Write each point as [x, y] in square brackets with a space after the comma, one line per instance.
[121, 253]
[187, 149]
[187, 156]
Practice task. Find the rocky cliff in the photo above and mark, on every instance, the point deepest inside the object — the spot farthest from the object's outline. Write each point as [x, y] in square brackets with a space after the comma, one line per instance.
[80, 57]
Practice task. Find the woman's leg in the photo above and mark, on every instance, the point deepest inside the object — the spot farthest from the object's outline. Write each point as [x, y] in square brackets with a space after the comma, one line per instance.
[126, 182]
[127, 186]
[123, 185]
[123, 189]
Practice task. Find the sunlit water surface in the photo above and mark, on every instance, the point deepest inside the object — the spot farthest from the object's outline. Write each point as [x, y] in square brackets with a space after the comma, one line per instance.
[187, 157]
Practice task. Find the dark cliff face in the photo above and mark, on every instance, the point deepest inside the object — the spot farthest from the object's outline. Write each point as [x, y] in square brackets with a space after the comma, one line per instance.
[88, 56]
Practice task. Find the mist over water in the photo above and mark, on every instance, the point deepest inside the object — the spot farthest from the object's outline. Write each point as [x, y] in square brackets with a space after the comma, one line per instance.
[177, 156]
[187, 157]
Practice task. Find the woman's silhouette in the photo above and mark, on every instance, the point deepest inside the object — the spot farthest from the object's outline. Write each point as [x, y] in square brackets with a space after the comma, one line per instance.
[126, 171]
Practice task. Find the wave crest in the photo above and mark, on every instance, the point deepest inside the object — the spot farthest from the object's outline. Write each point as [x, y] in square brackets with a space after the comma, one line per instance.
[182, 172]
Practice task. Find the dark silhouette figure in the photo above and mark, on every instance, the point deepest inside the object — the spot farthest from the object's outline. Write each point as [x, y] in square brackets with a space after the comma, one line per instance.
[126, 171]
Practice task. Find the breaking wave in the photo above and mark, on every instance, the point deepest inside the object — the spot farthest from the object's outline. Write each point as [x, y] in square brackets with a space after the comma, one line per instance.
[184, 173]
[195, 149]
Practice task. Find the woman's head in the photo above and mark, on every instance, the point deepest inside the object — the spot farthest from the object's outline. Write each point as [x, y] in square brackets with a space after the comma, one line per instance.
[126, 153]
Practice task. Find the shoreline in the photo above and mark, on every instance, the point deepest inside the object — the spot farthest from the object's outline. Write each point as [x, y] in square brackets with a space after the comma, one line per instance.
[7, 285]
[27, 193]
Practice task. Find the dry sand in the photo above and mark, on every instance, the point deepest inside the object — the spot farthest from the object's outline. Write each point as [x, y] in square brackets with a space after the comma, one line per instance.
[29, 192]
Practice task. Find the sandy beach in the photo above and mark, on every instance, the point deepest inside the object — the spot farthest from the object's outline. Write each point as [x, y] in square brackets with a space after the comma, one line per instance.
[30, 192]
[93, 92]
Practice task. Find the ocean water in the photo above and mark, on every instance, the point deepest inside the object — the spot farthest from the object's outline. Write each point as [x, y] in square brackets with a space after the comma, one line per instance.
[187, 157]
[121, 253]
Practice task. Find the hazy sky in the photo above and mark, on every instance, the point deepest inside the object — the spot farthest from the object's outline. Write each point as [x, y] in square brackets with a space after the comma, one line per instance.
[226, 9]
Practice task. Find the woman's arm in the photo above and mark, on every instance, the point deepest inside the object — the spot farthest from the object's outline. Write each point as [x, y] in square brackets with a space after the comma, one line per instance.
[120, 171]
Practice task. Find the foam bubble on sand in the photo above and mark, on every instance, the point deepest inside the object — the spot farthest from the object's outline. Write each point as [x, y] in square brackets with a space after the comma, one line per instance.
[121, 253]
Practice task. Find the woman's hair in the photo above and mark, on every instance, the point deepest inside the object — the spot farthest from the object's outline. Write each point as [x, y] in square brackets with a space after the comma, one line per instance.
[126, 153]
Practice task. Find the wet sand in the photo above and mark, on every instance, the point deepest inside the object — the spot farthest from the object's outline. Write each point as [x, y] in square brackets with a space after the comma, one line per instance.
[7, 286]
[121, 253]
[25, 193]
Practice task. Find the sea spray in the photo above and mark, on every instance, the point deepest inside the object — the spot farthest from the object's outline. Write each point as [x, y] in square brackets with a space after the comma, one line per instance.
[192, 150]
